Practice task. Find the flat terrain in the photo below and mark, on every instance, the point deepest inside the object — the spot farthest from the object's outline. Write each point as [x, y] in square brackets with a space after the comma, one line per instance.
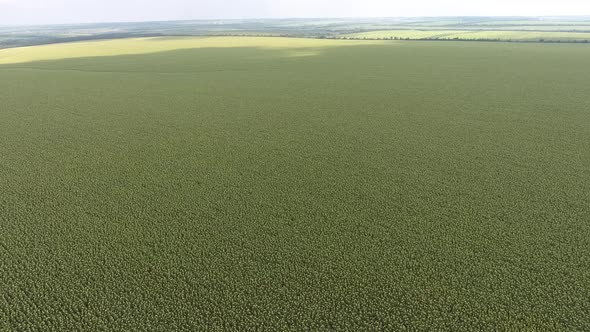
[528, 29]
[530, 36]
[293, 184]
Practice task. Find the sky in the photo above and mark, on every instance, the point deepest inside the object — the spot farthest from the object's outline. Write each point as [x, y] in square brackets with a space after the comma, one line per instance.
[85, 11]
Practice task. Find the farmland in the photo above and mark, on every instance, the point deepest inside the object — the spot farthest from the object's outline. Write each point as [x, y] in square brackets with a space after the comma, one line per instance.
[530, 36]
[525, 29]
[276, 184]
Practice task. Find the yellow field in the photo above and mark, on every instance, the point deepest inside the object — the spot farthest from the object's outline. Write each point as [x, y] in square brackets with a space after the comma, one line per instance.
[464, 34]
[297, 47]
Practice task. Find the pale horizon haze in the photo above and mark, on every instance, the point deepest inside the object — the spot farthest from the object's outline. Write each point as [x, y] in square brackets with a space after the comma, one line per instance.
[30, 12]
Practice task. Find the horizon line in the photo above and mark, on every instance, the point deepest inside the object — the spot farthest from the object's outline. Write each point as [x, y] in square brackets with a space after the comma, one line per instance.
[583, 16]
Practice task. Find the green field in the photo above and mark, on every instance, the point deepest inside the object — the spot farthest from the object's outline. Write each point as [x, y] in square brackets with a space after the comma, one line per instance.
[529, 29]
[529, 21]
[243, 184]
[405, 33]
[554, 28]
[474, 35]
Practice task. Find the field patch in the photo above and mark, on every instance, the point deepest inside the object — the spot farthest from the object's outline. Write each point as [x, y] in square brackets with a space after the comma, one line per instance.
[229, 184]
[158, 44]
[475, 35]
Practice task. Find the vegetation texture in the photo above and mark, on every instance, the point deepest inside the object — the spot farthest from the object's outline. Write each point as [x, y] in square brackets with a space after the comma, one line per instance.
[328, 185]
[476, 35]
[546, 29]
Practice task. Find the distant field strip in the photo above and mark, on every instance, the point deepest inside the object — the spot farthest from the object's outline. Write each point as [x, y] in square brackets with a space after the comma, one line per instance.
[474, 35]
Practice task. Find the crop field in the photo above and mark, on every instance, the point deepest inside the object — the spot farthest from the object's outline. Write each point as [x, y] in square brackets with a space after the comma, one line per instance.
[529, 29]
[270, 184]
[405, 33]
[554, 28]
[475, 35]
[548, 21]
[524, 35]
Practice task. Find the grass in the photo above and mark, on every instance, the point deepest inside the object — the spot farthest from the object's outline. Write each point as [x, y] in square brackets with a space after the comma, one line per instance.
[230, 185]
[474, 35]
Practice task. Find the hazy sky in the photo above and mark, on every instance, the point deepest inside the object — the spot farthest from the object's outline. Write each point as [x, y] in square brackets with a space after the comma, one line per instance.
[74, 11]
